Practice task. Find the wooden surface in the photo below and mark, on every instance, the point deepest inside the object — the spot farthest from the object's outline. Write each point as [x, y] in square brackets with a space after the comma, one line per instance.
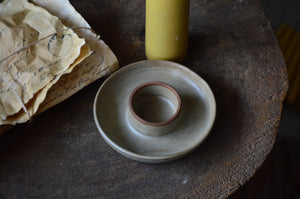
[232, 46]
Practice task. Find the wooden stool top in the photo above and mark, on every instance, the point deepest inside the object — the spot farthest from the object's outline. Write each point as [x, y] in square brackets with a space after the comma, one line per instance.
[231, 45]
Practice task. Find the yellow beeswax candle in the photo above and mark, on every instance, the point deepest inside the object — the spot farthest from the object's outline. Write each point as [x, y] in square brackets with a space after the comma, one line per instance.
[167, 29]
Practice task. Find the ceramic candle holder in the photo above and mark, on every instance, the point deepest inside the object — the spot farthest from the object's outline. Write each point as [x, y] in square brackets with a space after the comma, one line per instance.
[139, 113]
[154, 108]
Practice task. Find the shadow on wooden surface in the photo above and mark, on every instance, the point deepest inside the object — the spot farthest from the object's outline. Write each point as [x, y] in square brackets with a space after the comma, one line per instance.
[278, 177]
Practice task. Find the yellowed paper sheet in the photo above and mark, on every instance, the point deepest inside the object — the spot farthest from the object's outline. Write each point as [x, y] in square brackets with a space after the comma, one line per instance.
[29, 71]
[101, 62]
[33, 105]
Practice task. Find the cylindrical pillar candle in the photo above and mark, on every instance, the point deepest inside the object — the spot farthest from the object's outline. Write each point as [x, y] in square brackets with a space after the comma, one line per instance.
[167, 29]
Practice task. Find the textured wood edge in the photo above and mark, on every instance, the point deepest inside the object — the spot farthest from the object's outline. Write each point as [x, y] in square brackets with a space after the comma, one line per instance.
[226, 189]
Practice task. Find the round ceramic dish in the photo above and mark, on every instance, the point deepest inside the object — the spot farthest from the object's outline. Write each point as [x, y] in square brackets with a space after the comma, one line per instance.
[195, 119]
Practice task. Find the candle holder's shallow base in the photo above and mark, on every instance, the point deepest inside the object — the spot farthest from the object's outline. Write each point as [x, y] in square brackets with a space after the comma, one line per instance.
[198, 110]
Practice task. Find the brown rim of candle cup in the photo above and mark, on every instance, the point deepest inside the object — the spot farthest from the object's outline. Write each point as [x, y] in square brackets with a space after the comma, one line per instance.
[150, 84]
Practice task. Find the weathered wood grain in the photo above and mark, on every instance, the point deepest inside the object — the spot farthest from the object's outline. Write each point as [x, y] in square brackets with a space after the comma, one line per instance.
[232, 46]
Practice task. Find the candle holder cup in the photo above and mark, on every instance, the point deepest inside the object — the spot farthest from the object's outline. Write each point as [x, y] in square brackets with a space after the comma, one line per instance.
[154, 108]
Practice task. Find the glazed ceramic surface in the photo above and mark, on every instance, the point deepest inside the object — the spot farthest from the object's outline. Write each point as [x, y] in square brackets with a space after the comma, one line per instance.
[154, 103]
[197, 114]
[154, 108]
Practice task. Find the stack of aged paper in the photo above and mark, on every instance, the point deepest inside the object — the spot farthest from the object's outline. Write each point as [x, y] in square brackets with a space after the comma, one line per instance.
[48, 52]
